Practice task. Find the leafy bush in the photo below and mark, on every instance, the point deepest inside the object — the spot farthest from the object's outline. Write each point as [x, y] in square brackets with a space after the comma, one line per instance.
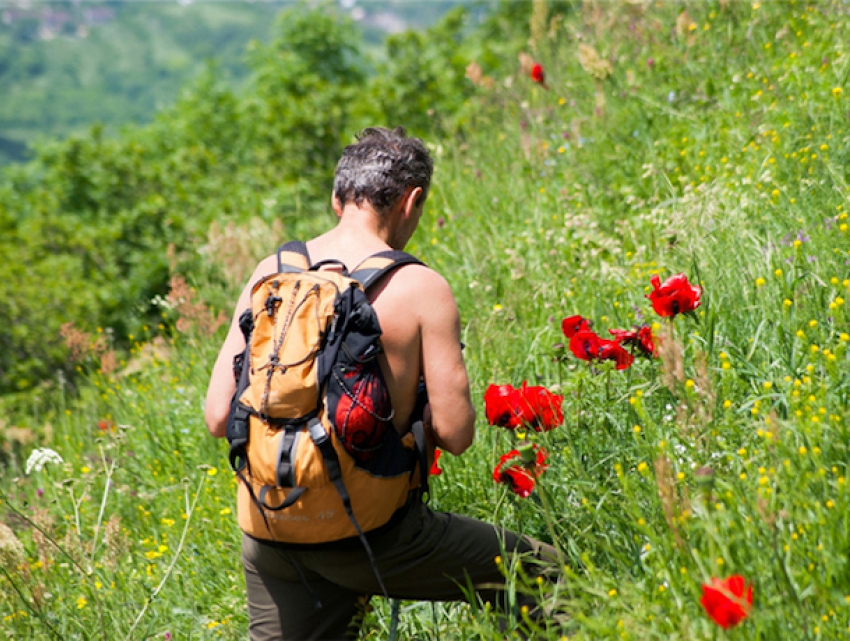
[89, 224]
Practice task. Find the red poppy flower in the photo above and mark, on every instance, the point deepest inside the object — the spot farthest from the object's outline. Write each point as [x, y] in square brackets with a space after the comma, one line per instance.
[501, 404]
[585, 344]
[612, 351]
[435, 469]
[518, 478]
[640, 338]
[538, 75]
[588, 346]
[544, 411]
[675, 296]
[727, 601]
[573, 324]
[521, 474]
[532, 406]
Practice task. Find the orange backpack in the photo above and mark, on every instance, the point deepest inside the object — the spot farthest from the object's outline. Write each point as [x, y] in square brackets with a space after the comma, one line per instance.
[310, 427]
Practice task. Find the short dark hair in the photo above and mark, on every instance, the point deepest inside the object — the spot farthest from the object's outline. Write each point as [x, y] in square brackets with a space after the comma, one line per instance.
[381, 166]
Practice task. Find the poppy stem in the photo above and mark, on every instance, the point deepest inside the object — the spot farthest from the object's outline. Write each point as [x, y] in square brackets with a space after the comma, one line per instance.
[789, 580]
[712, 548]
[580, 397]
[550, 524]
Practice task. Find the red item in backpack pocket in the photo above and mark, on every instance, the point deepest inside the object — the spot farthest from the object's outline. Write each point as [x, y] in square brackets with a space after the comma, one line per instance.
[363, 411]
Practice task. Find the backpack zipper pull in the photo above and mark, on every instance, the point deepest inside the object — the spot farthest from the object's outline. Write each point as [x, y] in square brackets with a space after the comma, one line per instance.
[332, 330]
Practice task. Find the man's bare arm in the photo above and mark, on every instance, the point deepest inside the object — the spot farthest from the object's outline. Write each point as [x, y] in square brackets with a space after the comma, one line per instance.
[222, 384]
[446, 379]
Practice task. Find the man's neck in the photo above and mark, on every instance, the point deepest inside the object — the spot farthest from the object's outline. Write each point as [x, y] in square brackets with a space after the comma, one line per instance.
[363, 226]
[358, 235]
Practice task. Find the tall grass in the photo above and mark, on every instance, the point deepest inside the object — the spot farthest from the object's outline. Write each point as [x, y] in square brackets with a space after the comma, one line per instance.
[717, 146]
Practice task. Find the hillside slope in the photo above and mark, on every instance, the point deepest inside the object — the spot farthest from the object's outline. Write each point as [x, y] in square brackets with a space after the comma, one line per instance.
[710, 140]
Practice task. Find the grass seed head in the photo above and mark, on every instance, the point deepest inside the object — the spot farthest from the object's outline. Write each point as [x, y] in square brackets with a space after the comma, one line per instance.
[11, 549]
[672, 364]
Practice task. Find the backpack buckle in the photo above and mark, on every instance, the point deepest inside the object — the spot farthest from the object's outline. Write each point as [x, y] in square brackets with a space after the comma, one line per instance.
[272, 303]
[317, 432]
[285, 472]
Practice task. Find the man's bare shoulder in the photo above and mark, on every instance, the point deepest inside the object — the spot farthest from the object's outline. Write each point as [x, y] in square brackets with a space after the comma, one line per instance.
[418, 280]
[266, 267]
[420, 287]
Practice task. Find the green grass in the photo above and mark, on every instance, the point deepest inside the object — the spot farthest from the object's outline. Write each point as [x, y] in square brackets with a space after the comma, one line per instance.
[717, 180]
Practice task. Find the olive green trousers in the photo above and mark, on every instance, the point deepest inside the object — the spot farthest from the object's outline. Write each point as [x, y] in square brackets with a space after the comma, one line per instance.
[320, 592]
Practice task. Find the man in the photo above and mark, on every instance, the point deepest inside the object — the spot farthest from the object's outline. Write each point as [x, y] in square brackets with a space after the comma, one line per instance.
[317, 591]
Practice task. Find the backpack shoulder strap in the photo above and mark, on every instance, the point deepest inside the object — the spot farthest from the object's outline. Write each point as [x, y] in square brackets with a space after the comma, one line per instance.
[372, 269]
[293, 257]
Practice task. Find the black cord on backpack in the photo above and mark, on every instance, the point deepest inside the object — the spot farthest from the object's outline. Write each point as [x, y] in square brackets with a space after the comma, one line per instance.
[323, 442]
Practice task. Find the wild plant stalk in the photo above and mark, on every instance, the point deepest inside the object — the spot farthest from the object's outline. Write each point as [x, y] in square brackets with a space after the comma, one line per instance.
[190, 510]
[108, 469]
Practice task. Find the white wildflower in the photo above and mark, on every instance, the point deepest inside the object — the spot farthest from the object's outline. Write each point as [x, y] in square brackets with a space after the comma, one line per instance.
[40, 457]
[159, 301]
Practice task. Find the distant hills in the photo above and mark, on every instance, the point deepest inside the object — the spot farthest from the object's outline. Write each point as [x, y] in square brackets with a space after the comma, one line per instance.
[67, 65]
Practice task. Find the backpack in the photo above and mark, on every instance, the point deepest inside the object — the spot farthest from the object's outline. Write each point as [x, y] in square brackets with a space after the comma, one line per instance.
[310, 426]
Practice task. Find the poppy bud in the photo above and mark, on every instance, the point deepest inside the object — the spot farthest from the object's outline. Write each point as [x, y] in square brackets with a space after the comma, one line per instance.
[705, 478]
[527, 452]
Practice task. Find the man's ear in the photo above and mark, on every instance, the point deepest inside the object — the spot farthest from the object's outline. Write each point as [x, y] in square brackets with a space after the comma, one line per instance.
[411, 199]
[336, 205]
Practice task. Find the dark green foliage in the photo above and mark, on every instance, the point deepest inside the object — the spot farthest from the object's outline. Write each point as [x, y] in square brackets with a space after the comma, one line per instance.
[423, 84]
[304, 87]
[64, 66]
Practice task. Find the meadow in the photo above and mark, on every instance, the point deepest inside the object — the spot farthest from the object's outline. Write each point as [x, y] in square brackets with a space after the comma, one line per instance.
[709, 139]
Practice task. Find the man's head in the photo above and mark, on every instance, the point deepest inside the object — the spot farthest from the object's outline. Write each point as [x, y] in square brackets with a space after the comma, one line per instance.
[381, 167]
